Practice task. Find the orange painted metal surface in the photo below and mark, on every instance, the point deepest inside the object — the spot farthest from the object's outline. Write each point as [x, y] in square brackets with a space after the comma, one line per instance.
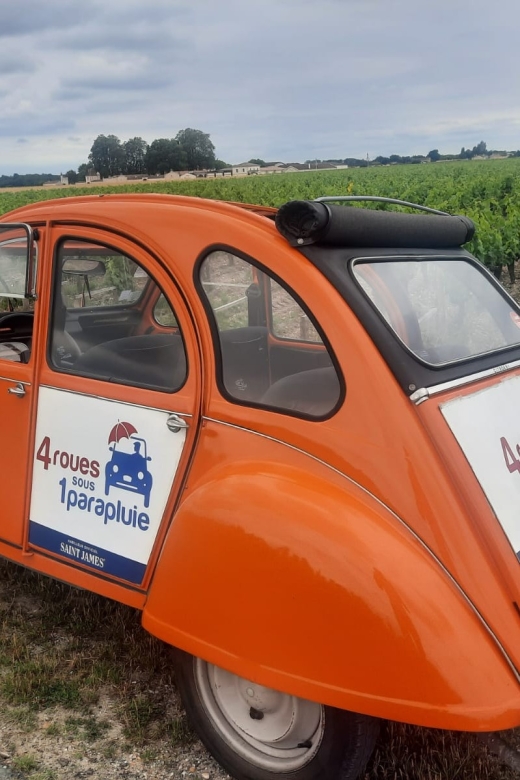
[353, 561]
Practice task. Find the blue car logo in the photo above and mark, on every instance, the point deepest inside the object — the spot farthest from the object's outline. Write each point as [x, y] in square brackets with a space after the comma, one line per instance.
[128, 467]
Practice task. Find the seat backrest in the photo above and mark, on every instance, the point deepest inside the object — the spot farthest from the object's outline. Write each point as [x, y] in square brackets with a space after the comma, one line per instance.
[157, 361]
[314, 393]
[245, 362]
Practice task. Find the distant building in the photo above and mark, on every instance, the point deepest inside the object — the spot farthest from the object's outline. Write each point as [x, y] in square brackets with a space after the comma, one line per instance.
[244, 168]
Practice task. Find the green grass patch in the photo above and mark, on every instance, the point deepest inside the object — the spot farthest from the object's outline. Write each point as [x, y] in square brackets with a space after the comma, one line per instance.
[25, 764]
[23, 717]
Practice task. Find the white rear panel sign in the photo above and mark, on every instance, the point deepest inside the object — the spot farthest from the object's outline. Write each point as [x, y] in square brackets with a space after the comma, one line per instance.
[103, 471]
[487, 426]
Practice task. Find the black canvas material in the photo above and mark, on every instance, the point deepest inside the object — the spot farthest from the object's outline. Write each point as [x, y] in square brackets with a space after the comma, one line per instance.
[304, 222]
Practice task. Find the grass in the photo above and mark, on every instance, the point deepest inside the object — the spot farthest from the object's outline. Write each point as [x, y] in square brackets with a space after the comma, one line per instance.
[410, 753]
[25, 764]
[65, 650]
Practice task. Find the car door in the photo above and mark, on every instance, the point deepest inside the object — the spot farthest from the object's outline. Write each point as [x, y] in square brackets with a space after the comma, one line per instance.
[117, 412]
[17, 369]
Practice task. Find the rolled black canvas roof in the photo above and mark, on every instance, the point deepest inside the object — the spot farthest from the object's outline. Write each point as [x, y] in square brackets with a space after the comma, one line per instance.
[304, 222]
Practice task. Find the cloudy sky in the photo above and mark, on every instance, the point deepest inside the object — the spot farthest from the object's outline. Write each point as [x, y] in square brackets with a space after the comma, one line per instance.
[278, 79]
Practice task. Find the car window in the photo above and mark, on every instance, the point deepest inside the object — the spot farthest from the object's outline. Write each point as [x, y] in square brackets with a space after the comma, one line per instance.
[443, 310]
[270, 348]
[104, 322]
[16, 310]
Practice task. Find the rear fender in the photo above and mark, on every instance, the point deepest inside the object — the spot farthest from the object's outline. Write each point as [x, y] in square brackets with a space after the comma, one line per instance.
[320, 591]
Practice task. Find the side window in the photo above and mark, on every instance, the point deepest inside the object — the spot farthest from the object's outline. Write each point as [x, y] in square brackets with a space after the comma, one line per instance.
[16, 310]
[111, 321]
[272, 352]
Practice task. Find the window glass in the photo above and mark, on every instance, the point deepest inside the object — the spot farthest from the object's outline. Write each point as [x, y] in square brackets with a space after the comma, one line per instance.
[443, 310]
[105, 323]
[106, 279]
[288, 318]
[271, 351]
[16, 310]
[226, 279]
[163, 313]
[14, 258]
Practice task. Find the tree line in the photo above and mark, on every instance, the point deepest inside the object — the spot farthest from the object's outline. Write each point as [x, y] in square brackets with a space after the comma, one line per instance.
[193, 150]
[27, 179]
[189, 150]
[480, 150]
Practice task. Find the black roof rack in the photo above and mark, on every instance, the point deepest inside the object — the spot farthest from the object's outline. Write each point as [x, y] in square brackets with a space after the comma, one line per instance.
[304, 222]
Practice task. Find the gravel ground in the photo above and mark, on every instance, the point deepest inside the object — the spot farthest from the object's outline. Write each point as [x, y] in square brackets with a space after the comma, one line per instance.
[50, 752]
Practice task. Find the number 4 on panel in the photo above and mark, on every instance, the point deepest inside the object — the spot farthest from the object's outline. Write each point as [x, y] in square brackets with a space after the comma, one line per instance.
[512, 461]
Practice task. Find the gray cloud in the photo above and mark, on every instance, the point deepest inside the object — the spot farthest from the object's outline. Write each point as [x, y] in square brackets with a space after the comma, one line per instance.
[35, 16]
[14, 64]
[125, 82]
[289, 79]
[16, 128]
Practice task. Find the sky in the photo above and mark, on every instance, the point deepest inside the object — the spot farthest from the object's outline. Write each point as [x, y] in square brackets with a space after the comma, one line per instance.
[280, 80]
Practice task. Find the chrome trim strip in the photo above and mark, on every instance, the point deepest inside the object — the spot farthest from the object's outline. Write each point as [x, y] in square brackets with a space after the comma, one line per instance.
[116, 401]
[377, 199]
[426, 392]
[414, 256]
[381, 503]
[14, 381]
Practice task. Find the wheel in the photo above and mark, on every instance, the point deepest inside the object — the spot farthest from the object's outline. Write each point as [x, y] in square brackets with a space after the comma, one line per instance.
[257, 733]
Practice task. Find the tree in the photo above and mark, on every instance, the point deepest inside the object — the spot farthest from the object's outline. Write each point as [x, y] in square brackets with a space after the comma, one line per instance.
[434, 155]
[480, 149]
[135, 150]
[257, 161]
[200, 152]
[72, 176]
[165, 154]
[107, 155]
[82, 171]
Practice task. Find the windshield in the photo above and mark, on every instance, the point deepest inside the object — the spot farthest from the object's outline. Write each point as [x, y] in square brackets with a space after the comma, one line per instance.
[443, 310]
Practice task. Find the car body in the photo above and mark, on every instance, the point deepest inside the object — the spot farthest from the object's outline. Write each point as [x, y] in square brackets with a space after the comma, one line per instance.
[326, 397]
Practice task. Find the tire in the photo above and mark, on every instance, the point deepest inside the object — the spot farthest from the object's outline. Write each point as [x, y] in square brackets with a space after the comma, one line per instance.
[281, 738]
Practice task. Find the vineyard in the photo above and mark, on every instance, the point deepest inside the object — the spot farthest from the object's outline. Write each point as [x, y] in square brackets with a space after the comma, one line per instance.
[488, 191]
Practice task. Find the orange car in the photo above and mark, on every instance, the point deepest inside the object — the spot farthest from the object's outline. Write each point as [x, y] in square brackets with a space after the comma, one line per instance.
[291, 439]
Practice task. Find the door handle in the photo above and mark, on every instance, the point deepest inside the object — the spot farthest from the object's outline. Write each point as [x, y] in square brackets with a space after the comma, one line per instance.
[175, 423]
[19, 390]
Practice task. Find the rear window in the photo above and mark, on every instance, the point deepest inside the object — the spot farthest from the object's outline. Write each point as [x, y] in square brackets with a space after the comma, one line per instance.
[443, 310]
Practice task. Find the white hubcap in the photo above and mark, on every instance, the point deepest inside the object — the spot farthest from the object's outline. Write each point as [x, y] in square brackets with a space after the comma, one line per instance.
[273, 730]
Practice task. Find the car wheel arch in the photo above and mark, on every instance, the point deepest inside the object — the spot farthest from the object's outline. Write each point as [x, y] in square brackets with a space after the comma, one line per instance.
[331, 571]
